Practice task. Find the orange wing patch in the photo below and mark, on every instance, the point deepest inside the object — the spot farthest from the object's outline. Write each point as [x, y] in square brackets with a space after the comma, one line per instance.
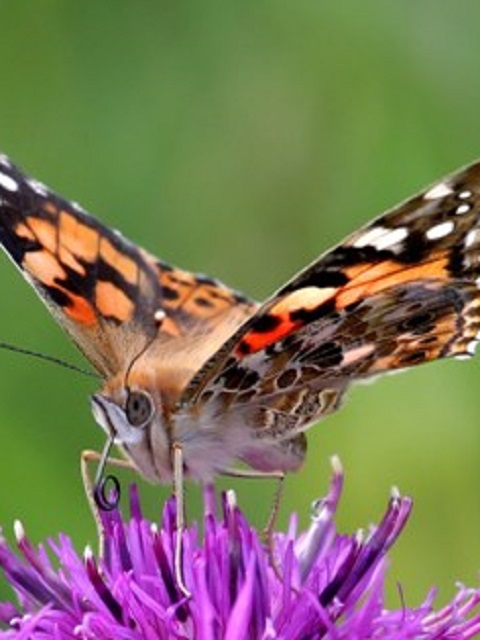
[196, 305]
[280, 320]
[79, 309]
[77, 238]
[119, 261]
[306, 304]
[43, 230]
[62, 248]
[385, 275]
[49, 272]
[112, 302]
[43, 266]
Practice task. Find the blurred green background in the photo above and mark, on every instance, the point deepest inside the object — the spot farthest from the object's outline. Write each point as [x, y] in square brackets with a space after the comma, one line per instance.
[242, 139]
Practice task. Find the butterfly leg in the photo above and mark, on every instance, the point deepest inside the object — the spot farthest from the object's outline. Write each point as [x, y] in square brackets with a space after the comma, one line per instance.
[87, 457]
[267, 533]
[178, 491]
[279, 476]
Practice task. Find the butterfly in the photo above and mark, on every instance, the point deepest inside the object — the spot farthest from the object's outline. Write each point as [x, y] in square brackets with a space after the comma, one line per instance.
[197, 376]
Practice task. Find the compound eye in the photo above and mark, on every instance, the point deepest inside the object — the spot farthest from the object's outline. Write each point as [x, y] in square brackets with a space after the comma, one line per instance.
[139, 408]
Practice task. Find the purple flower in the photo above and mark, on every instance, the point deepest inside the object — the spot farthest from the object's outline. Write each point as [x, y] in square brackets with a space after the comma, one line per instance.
[329, 585]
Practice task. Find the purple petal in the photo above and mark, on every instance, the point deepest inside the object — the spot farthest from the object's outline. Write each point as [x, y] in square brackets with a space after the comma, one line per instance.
[326, 585]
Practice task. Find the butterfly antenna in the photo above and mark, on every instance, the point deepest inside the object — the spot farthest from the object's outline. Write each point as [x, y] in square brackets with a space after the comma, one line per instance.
[135, 359]
[47, 358]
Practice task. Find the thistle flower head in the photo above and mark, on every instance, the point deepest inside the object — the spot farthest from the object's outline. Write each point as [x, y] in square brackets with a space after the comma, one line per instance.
[330, 585]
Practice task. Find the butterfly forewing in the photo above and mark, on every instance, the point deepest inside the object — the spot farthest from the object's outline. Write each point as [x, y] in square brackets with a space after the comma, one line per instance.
[95, 282]
[401, 291]
[110, 295]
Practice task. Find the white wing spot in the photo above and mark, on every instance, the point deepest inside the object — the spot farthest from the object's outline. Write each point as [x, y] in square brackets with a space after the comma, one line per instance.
[369, 237]
[471, 347]
[38, 187]
[462, 208]
[472, 238]
[440, 230]
[391, 238]
[381, 238]
[8, 183]
[77, 206]
[159, 316]
[464, 195]
[352, 355]
[440, 190]
[5, 160]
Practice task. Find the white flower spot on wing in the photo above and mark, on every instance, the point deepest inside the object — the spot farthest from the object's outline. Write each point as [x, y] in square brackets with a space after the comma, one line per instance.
[440, 230]
[381, 238]
[462, 208]
[472, 237]
[440, 190]
[8, 182]
[38, 187]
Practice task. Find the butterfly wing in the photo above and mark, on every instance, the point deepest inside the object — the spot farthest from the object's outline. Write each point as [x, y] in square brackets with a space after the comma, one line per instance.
[401, 291]
[112, 297]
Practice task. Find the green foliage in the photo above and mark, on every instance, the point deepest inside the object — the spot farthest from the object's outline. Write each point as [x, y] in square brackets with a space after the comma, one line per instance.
[242, 139]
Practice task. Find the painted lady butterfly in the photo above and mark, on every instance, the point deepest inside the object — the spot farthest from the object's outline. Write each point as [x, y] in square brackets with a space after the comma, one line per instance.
[198, 375]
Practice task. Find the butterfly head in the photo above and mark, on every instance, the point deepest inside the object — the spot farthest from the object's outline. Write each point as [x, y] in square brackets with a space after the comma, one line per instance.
[133, 415]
